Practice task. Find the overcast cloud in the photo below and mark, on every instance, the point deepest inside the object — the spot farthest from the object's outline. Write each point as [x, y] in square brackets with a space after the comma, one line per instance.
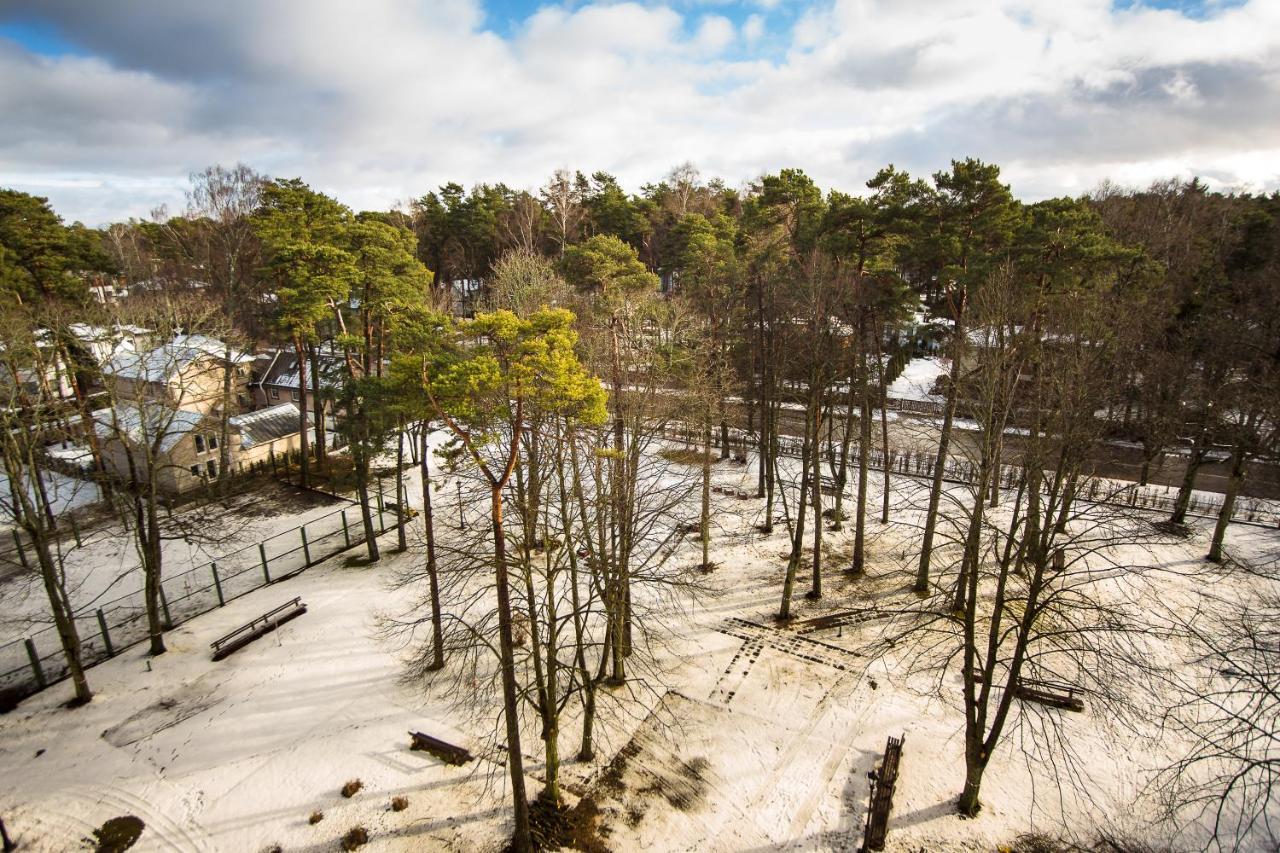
[378, 102]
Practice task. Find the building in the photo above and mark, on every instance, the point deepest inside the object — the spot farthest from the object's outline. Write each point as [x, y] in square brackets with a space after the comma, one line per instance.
[184, 443]
[187, 373]
[277, 379]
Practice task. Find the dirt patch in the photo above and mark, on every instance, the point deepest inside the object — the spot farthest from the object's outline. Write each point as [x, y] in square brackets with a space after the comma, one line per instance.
[685, 456]
[648, 770]
[162, 714]
[117, 834]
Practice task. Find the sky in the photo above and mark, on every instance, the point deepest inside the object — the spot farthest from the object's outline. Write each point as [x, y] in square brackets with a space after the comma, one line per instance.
[106, 108]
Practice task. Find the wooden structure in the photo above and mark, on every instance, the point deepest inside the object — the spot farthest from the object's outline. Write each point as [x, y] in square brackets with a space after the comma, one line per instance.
[252, 630]
[446, 752]
[884, 780]
[1051, 693]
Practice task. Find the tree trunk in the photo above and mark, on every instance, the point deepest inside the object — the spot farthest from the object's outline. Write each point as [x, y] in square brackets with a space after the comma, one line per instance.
[520, 840]
[317, 407]
[704, 526]
[360, 457]
[224, 424]
[303, 447]
[1183, 501]
[939, 469]
[815, 591]
[402, 543]
[1234, 481]
[797, 542]
[864, 464]
[969, 805]
[433, 578]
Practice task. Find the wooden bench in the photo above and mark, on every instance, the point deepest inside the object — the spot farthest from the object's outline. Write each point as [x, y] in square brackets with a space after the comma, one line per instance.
[830, 486]
[446, 752]
[1049, 693]
[250, 631]
[884, 780]
[1053, 694]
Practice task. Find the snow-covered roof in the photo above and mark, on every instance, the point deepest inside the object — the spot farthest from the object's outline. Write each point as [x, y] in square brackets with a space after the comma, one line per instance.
[162, 362]
[144, 423]
[283, 372]
[265, 424]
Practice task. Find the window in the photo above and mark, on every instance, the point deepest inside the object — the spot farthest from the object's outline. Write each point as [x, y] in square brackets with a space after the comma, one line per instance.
[275, 394]
[199, 444]
[212, 467]
[213, 442]
[295, 395]
[195, 470]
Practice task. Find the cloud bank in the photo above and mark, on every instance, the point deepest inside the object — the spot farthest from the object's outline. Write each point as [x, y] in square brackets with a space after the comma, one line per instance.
[384, 100]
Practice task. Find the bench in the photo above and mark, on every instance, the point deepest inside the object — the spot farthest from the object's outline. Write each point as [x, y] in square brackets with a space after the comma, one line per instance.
[884, 780]
[830, 486]
[446, 752]
[252, 630]
[1048, 693]
[1053, 694]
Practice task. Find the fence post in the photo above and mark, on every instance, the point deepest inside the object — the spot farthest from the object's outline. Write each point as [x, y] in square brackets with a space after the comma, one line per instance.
[306, 549]
[262, 553]
[379, 495]
[22, 554]
[106, 637]
[217, 584]
[35, 663]
[164, 605]
[346, 531]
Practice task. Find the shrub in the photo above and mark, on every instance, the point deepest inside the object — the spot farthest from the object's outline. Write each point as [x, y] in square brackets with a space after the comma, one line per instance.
[399, 804]
[356, 837]
[316, 817]
[349, 790]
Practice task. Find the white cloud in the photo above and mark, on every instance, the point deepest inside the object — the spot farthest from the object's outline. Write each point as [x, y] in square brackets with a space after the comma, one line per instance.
[715, 33]
[387, 102]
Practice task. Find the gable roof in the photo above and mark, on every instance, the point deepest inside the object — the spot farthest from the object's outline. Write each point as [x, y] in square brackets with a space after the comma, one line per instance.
[265, 424]
[144, 423]
[161, 363]
[282, 372]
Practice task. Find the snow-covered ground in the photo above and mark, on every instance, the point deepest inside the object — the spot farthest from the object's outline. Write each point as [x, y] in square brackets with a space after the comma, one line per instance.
[65, 492]
[917, 379]
[743, 745]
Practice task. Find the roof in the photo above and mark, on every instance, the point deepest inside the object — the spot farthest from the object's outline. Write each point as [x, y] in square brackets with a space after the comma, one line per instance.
[265, 424]
[143, 424]
[162, 362]
[282, 372]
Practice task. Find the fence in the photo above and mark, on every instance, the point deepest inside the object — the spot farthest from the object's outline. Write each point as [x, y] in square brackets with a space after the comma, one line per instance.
[29, 665]
[921, 464]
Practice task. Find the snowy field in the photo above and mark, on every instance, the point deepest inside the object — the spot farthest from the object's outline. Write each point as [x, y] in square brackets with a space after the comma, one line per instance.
[742, 745]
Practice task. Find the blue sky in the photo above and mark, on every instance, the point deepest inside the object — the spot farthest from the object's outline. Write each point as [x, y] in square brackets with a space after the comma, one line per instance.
[109, 106]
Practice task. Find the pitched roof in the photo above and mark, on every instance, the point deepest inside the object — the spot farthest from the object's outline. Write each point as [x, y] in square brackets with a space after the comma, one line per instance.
[283, 372]
[162, 362]
[265, 424]
[145, 423]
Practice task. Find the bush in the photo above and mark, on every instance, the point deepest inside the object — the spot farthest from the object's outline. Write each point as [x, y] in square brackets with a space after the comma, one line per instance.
[349, 790]
[399, 804]
[356, 837]
[316, 817]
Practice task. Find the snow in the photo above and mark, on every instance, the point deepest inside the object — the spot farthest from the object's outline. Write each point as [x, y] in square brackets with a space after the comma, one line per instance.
[917, 379]
[65, 492]
[729, 751]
